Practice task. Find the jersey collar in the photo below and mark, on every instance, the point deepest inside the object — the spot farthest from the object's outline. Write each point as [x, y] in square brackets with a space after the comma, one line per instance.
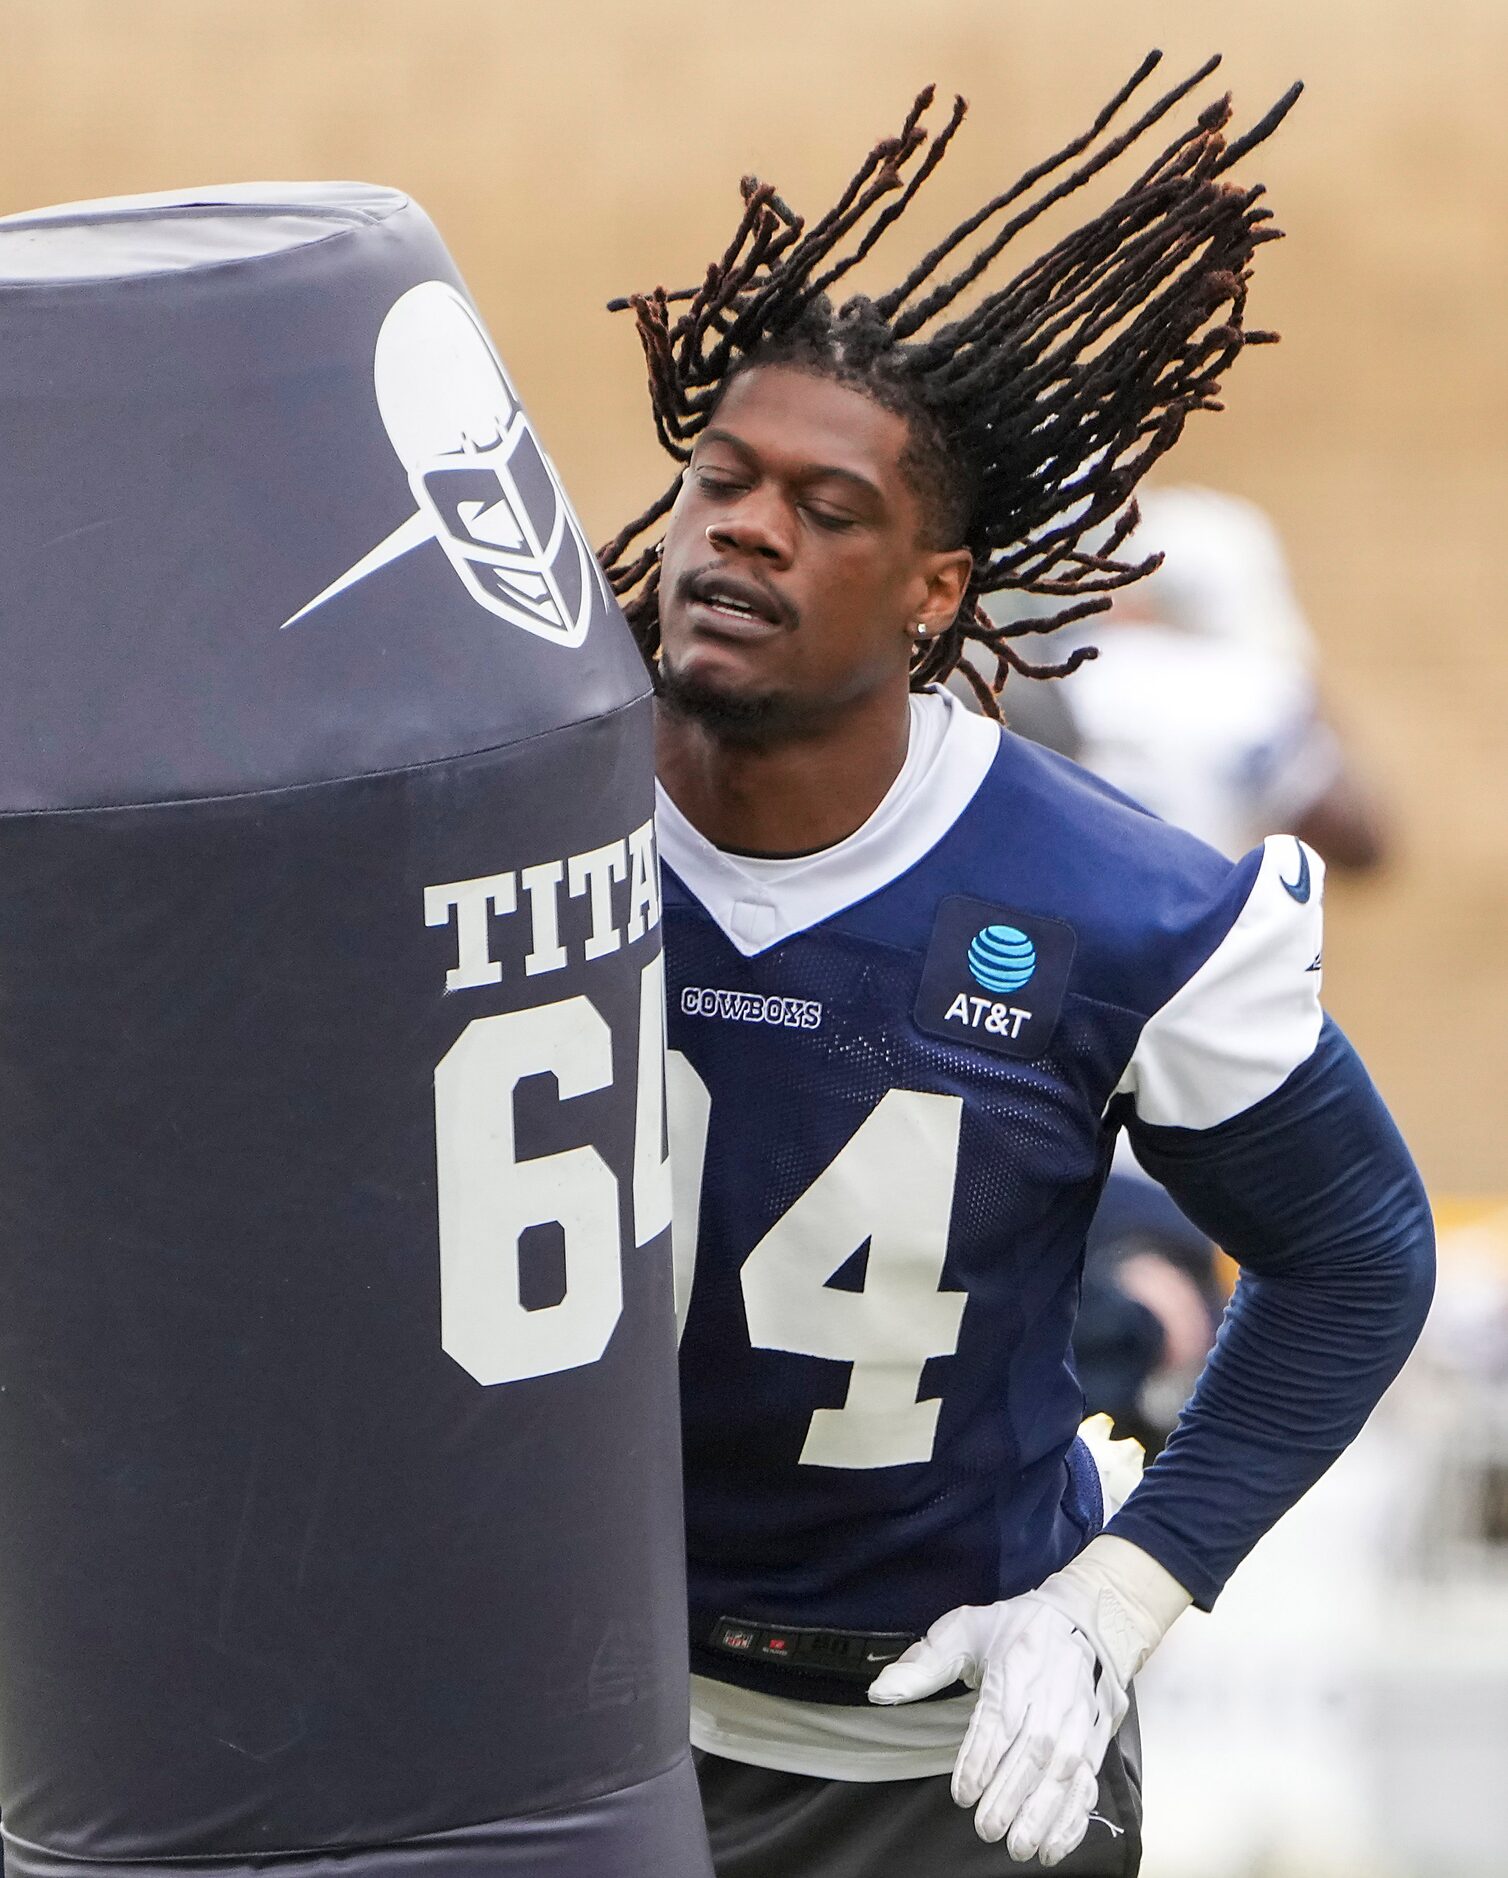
[759, 903]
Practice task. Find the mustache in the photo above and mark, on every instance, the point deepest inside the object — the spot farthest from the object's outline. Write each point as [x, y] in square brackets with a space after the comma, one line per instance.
[705, 583]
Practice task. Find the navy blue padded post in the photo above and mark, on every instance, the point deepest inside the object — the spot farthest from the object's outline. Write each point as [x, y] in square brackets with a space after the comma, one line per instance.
[338, 1443]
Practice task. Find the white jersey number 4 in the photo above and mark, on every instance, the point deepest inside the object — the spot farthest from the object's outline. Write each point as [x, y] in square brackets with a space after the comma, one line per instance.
[889, 1187]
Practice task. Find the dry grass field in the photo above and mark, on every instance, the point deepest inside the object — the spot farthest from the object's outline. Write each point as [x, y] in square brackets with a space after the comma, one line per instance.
[570, 151]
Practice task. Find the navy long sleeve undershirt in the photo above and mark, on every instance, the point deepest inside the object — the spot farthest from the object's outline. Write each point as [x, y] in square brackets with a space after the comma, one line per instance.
[1314, 1194]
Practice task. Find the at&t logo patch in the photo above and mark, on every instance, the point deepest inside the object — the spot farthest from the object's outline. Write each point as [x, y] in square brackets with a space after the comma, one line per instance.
[994, 977]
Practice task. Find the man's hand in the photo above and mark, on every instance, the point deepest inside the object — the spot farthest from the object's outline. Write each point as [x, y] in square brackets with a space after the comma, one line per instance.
[1053, 1668]
[1030, 1761]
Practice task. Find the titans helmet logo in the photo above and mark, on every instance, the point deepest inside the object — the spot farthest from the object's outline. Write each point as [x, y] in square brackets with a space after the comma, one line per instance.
[484, 490]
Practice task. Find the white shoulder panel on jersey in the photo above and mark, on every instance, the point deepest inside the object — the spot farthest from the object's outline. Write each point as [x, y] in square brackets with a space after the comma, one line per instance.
[758, 903]
[1240, 1026]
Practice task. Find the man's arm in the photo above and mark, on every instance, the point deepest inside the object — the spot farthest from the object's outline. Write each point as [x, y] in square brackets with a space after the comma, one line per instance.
[1314, 1194]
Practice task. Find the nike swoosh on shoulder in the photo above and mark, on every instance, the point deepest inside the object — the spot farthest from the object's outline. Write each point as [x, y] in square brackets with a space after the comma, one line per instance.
[1298, 889]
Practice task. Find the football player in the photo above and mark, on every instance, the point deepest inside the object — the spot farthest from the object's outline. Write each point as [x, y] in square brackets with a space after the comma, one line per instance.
[921, 973]
[1202, 703]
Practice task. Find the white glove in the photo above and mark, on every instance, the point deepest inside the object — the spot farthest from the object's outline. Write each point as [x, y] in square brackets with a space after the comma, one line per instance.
[1053, 1668]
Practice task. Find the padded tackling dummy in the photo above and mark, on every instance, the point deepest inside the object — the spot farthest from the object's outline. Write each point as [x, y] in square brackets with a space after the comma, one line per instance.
[338, 1445]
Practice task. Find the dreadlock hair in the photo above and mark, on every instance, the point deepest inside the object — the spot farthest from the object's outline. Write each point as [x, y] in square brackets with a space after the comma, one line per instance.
[1032, 416]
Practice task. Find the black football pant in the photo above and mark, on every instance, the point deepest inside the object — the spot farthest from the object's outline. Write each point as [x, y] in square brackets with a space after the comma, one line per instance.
[766, 1824]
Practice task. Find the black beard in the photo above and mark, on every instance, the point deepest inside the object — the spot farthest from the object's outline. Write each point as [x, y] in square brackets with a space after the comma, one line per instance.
[758, 720]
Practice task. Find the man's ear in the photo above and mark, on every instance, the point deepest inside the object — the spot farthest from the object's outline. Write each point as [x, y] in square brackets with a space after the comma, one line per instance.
[947, 579]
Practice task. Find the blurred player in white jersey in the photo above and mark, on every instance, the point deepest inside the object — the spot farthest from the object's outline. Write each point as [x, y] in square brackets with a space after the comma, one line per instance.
[1203, 702]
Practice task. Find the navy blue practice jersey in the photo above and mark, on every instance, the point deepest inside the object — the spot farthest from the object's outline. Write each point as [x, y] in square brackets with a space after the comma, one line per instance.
[897, 1070]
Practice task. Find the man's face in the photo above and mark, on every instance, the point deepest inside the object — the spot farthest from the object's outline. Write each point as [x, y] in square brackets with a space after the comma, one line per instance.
[794, 574]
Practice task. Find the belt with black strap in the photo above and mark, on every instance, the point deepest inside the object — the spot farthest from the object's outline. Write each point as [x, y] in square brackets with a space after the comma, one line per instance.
[856, 1655]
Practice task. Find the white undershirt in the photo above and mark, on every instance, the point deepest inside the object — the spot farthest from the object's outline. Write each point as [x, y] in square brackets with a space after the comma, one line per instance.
[825, 1739]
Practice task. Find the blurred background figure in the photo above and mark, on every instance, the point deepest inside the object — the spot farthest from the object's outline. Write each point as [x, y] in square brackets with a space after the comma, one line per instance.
[1204, 705]
[1150, 1305]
